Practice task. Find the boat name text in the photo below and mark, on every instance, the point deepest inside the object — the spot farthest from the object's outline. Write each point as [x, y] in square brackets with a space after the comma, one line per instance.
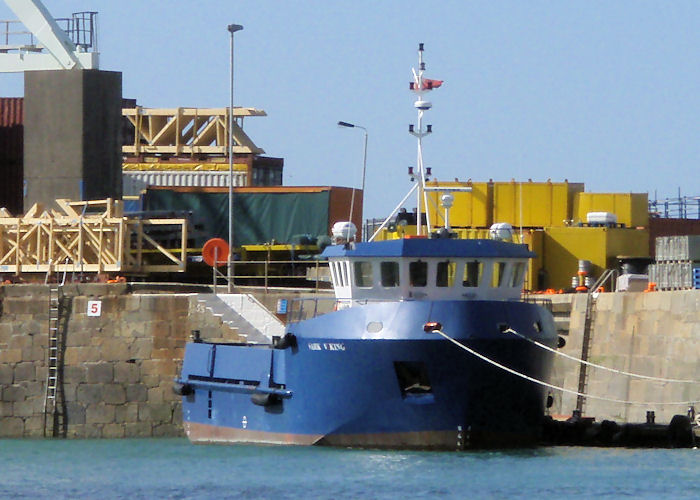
[326, 346]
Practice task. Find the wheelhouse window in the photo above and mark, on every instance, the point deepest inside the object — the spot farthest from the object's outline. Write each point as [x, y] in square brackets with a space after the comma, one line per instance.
[446, 272]
[473, 271]
[363, 274]
[389, 272]
[418, 273]
[518, 274]
[344, 273]
[499, 272]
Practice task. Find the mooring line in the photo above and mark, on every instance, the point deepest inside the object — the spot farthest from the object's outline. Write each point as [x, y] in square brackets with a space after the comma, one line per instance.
[622, 372]
[552, 386]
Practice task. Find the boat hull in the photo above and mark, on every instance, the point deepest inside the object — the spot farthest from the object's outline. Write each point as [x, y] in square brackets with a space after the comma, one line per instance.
[370, 376]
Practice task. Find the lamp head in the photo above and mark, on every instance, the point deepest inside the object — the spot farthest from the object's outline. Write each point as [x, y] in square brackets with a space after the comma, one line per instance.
[232, 28]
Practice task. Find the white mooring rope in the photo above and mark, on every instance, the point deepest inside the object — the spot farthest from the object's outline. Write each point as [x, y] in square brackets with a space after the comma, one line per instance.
[551, 386]
[629, 374]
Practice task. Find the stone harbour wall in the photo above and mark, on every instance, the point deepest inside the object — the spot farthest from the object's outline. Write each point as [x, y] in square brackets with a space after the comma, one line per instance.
[118, 367]
[654, 334]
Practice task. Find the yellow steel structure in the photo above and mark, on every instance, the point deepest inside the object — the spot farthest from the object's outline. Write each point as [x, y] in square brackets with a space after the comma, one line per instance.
[534, 204]
[563, 247]
[527, 204]
[552, 216]
[631, 208]
[183, 131]
[87, 237]
[470, 209]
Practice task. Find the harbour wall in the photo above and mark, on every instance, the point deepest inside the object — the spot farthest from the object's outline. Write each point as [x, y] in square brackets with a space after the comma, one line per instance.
[118, 367]
[654, 334]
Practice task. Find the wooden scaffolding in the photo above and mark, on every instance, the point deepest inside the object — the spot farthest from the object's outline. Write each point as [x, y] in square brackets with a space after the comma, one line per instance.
[188, 131]
[90, 237]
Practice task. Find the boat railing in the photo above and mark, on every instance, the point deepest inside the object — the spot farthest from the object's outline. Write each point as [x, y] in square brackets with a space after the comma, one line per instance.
[303, 308]
[538, 300]
[312, 275]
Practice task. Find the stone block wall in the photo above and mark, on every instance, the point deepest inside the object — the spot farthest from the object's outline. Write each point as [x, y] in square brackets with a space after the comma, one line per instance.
[655, 334]
[118, 367]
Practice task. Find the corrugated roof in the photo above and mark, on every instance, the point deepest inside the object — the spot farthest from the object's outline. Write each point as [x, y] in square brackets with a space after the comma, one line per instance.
[11, 111]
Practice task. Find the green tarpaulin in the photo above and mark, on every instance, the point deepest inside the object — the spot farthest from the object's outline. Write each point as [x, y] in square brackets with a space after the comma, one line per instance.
[257, 217]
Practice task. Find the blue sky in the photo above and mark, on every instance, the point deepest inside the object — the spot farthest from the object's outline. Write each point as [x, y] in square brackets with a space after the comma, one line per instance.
[604, 93]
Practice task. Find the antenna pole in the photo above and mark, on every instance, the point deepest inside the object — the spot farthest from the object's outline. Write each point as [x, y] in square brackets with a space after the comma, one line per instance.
[420, 86]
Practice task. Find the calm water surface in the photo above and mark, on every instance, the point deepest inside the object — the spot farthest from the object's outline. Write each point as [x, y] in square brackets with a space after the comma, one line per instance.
[173, 468]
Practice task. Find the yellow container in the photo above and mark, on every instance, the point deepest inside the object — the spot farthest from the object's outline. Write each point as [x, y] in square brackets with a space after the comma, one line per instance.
[534, 238]
[470, 208]
[631, 208]
[534, 204]
[564, 246]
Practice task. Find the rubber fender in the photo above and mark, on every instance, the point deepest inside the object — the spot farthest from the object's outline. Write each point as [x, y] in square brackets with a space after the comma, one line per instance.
[289, 340]
[680, 432]
[182, 389]
[607, 431]
[262, 399]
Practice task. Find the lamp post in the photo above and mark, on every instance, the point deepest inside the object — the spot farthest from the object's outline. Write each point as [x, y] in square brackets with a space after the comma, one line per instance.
[232, 28]
[364, 170]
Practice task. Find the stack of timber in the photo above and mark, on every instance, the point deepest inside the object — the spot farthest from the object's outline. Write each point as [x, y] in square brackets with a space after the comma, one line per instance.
[87, 237]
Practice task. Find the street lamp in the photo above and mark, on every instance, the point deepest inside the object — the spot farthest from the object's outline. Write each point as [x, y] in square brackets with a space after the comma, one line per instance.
[232, 28]
[364, 170]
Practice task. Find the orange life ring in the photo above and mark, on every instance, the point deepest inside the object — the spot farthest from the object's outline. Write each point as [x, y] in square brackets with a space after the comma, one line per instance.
[215, 248]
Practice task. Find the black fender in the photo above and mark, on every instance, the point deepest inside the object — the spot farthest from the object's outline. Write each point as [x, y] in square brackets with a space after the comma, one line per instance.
[182, 389]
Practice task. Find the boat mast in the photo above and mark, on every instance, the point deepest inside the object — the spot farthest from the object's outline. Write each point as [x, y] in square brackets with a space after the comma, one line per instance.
[420, 86]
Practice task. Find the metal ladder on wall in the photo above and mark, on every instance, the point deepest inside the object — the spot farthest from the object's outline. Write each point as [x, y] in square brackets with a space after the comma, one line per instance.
[52, 407]
[585, 351]
[609, 274]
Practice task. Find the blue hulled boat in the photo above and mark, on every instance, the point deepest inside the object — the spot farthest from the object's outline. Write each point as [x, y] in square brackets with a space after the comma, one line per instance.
[412, 356]
[374, 373]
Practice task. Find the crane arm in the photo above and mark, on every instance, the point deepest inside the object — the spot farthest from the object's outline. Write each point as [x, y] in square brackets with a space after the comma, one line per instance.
[62, 52]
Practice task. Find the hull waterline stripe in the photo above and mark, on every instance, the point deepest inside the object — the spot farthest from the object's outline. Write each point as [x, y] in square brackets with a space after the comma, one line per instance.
[621, 372]
[551, 386]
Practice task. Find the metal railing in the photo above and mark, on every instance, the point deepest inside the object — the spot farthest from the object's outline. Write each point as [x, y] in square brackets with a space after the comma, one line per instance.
[538, 300]
[682, 207]
[277, 273]
[81, 28]
[14, 36]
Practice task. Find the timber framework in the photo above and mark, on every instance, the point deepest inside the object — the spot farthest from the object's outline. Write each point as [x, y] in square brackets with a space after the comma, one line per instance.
[89, 237]
[188, 131]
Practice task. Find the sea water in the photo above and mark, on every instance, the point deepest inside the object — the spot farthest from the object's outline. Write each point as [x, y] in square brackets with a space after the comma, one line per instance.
[174, 468]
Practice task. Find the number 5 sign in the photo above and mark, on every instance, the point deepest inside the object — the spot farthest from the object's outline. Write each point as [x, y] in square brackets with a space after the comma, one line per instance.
[94, 308]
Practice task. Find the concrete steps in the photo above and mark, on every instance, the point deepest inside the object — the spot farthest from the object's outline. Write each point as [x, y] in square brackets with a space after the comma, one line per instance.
[244, 313]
